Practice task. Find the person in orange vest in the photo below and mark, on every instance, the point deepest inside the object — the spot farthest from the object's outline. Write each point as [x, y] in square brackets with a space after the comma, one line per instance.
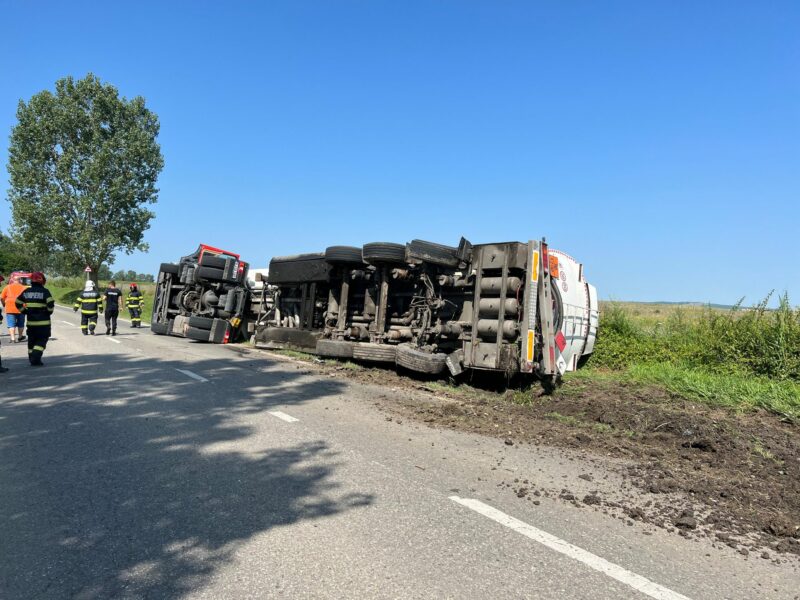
[2, 368]
[14, 319]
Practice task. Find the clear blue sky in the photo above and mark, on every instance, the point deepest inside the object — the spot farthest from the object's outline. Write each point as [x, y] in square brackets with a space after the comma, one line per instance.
[658, 142]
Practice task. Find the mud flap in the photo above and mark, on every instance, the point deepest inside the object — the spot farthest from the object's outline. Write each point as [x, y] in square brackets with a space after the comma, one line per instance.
[455, 362]
[220, 331]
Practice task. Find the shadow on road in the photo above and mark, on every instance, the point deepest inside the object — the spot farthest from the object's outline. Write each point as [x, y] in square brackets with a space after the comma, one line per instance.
[121, 477]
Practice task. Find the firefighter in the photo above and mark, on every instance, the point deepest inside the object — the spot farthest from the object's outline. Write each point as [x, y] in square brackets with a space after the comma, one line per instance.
[37, 303]
[90, 302]
[135, 303]
[112, 295]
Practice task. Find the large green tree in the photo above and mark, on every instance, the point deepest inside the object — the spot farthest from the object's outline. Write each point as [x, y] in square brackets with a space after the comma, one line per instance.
[83, 165]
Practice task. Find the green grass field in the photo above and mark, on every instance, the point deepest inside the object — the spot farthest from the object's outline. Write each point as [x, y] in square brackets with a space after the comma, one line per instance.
[740, 358]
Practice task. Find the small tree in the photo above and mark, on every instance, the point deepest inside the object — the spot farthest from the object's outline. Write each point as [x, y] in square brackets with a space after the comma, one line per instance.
[83, 165]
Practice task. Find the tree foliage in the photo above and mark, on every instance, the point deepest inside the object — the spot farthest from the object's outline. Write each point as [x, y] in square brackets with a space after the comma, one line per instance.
[83, 165]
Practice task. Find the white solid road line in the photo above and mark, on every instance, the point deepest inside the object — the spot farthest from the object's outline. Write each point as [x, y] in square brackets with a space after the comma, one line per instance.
[593, 561]
[192, 375]
[283, 416]
[68, 323]
[113, 340]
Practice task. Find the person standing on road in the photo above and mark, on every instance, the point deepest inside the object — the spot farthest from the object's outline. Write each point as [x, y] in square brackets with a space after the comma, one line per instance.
[112, 295]
[2, 368]
[135, 303]
[90, 302]
[14, 319]
[37, 303]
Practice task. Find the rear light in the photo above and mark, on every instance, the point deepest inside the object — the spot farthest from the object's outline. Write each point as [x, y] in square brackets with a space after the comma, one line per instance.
[241, 267]
[554, 266]
[227, 335]
[545, 258]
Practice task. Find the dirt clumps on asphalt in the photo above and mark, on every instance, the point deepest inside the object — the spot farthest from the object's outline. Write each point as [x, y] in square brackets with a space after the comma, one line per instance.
[696, 470]
[741, 471]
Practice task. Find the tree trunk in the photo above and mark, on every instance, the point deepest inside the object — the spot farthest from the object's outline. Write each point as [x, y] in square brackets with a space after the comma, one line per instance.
[95, 273]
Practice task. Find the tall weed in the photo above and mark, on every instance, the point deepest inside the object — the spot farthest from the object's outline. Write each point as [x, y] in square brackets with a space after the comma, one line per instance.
[744, 341]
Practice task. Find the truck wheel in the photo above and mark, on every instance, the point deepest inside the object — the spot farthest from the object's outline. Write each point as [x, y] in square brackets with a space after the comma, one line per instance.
[216, 262]
[336, 348]
[159, 328]
[201, 322]
[195, 333]
[433, 253]
[210, 273]
[170, 268]
[420, 361]
[374, 352]
[343, 255]
[384, 252]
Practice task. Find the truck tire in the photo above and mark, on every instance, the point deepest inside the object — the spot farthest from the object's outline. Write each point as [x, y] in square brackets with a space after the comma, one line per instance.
[337, 348]
[201, 322]
[343, 255]
[170, 268]
[414, 359]
[216, 262]
[383, 252]
[210, 273]
[436, 254]
[195, 333]
[375, 352]
[159, 328]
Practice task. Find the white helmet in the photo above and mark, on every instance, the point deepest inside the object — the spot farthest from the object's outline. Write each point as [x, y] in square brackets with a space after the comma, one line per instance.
[89, 286]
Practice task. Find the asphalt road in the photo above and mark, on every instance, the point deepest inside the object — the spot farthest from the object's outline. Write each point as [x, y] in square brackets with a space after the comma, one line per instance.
[144, 466]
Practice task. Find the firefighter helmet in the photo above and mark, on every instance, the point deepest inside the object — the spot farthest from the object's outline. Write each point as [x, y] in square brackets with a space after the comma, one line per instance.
[89, 286]
[134, 286]
[38, 277]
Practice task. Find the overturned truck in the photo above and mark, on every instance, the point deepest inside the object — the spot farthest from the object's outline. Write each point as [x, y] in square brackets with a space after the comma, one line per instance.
[512, 307]
[205, 296]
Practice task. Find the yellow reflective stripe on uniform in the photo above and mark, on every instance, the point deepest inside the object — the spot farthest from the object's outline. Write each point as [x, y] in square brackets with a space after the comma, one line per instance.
[39, 348]
[37, 305]
[38, 323]
[89, 312]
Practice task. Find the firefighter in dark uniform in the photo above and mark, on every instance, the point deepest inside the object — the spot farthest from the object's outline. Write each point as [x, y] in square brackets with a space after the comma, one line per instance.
[90, 302]
[135, 303]
[113, 295]
[37, 303]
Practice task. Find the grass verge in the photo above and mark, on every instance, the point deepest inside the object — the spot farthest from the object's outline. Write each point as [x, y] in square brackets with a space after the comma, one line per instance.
[733, 391]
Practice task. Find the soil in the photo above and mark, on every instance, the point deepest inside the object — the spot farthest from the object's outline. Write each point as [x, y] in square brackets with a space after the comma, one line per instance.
[688, 468]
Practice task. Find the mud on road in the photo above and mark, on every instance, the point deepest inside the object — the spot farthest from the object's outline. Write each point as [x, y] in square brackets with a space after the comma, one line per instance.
[688, 468]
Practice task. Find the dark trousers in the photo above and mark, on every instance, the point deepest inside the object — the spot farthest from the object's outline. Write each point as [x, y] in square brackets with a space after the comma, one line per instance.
[88, 323]
[111, 320]
[37, 342]
[136, 317]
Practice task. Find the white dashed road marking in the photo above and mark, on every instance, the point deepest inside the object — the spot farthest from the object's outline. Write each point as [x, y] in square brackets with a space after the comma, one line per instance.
[67, 323]
[113, 340]
[192, 375]
[283, 416]
[593, 561]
